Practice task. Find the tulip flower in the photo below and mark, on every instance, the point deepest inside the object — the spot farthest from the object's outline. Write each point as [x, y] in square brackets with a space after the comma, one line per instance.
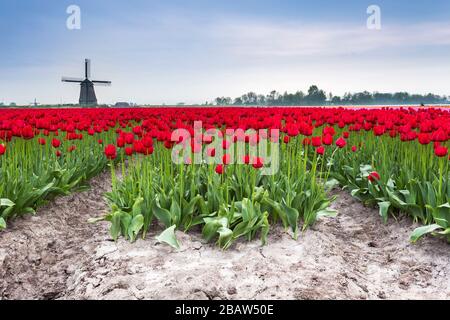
[258, 163]
[219, 169]
[56, 143]
[440, 151]
[111, 152]
[327, 139]
[129, 151]
[374, 176]
[320, 150]
[341, 142]
[226, 159]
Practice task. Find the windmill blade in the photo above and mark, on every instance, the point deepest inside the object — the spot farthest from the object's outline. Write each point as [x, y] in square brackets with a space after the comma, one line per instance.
[68, 79]
[101, 83]
[87, 68]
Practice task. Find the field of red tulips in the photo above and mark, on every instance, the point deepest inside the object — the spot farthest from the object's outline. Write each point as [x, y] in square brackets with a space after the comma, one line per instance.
[234, 176]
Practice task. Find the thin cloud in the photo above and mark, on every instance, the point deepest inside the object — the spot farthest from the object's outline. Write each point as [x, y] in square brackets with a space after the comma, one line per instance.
[265, 39]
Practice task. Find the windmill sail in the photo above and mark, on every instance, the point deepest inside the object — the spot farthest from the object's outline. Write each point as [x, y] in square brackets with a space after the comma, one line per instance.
[67, 79]
[101, 83]
[87, 68]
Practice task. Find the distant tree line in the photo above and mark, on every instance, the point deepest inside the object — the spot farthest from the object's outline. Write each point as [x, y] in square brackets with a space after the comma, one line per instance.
[318, 97]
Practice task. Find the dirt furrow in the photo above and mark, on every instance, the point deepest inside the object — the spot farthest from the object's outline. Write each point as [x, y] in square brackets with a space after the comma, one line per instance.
[58, 255]
[39, 253]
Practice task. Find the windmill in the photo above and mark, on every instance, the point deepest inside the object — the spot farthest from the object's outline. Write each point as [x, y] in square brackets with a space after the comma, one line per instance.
[35, 103]
[87, 92]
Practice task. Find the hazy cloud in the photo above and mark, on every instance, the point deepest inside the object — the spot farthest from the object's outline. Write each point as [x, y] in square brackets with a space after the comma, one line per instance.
[290, 39]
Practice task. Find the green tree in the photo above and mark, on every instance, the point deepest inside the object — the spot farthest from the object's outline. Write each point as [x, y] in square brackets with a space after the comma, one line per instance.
[315, 96]
[238, 101]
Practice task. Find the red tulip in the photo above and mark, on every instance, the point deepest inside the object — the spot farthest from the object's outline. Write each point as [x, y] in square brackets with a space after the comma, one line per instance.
[440, 151]
[28, 133]
[226, 159]
[293, 131]
[168, 144]
[219, 169]
[148, 151]
[129, 138]
[316, 141]
[374, 176]
[379, 130]
[354, 148]
[258, 163]
[328, 131]
[306, 141]
[439, 135]
[148, 142]
[424, 138]
[320, 150]
[2, 149]
[137, 130]
[110, 151]
[225, 144]
[341, 143]
[129, 151]
[56, 143]
[393, 133]
[120, 142]
[211, 152]
[327, 139]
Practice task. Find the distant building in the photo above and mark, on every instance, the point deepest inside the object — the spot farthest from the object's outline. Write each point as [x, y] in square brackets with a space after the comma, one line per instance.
[122, 105]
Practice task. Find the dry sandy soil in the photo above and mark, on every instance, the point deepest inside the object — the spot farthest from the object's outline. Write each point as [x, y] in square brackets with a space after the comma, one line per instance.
[58, 255]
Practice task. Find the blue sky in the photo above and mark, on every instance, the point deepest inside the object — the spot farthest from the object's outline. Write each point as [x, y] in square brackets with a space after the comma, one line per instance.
[192, 51]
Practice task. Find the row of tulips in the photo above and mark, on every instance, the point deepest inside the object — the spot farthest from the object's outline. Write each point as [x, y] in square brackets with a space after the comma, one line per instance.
[410, 176]
[35, 170]
[396, 159]
[225, 200]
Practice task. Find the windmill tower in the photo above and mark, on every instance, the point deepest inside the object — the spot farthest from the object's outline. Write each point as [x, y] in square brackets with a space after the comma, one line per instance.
[87, 92]
[34, 103]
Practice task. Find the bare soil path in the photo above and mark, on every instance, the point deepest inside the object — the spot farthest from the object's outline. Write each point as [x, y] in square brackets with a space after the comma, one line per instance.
[58, 255]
